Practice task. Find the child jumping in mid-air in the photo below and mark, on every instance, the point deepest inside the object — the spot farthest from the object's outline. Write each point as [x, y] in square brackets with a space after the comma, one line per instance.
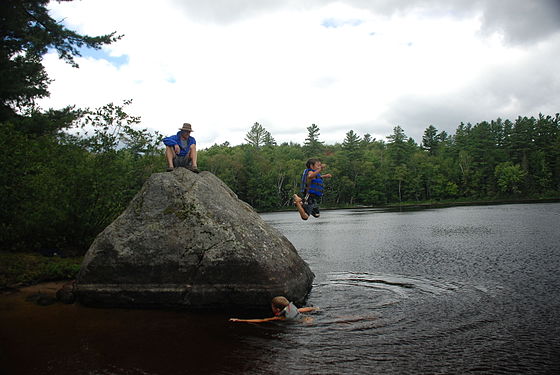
[283, 310]
[311, 189]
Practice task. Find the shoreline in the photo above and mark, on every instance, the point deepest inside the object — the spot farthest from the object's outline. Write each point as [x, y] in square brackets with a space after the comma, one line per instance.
[40, 286]
[31, 293]
[46, 287]
[427, 204]
[51, 286]
[23, 269]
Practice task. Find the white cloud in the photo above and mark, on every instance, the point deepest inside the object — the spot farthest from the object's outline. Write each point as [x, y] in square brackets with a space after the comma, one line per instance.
[360, 65]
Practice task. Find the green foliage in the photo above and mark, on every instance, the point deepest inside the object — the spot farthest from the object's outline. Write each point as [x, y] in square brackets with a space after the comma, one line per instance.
[312, 145]
[509, 177]
[27, 33]
[65, 173]
[259, 136]
[59, 191]
[496, 159]
[28, 268]
[352, 144]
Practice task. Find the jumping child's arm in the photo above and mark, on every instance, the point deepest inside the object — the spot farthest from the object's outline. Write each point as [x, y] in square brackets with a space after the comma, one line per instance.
[327, 175]
[312, 174]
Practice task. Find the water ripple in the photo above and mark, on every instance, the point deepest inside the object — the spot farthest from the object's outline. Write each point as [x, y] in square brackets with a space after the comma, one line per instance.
[405, 286]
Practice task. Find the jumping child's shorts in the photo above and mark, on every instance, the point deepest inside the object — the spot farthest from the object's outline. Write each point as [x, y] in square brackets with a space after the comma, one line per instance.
[311, 205]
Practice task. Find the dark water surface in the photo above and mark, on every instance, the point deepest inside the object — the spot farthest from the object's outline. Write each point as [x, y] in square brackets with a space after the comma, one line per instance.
[447, 291]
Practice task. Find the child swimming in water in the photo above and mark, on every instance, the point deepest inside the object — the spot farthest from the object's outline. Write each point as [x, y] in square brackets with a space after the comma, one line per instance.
[283, 310]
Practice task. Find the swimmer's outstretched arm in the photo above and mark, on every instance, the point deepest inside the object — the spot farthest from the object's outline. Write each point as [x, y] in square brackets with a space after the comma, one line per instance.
[307, 309]
[257, 320]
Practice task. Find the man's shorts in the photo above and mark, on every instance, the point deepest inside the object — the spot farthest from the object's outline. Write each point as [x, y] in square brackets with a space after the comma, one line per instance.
[182, 161]
[311, 205]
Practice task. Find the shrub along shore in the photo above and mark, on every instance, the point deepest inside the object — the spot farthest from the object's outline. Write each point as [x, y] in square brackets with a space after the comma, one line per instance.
[23, 269]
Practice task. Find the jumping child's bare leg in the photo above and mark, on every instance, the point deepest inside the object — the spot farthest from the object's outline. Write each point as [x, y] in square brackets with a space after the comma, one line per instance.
[299, 205]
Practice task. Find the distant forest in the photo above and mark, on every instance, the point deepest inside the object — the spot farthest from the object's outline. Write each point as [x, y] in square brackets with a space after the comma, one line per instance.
[66, 174]
[500, 159]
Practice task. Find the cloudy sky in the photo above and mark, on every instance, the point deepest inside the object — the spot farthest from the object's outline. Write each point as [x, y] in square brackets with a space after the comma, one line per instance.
[362, 65]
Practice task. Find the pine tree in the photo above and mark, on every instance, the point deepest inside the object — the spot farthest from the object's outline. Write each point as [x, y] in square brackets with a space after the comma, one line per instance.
[312, 145]
[27, 32]
[258, 136]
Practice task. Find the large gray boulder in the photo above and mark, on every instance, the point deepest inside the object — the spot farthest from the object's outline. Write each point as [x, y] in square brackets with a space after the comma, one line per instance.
[187, 240]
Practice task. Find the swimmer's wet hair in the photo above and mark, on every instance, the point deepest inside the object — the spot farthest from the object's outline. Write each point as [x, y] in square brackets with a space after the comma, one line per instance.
[280, 302]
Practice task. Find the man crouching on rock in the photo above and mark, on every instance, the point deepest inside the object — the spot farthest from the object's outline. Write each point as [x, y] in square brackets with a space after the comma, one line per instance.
[180, 149]
[283, 310]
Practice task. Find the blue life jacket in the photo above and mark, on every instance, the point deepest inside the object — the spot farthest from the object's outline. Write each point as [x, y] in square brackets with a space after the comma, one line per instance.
[315, 186]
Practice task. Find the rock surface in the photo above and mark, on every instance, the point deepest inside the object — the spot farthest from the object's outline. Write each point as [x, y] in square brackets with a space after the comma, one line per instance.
[187, 240]
[66, 294]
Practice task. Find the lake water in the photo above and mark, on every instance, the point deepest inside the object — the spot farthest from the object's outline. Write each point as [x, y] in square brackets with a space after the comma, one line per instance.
[448, 291]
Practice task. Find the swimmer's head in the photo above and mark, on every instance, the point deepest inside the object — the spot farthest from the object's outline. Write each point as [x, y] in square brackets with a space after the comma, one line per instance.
[279, 303]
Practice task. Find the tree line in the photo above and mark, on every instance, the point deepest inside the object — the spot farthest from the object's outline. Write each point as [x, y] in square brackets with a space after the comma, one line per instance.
[500, 159]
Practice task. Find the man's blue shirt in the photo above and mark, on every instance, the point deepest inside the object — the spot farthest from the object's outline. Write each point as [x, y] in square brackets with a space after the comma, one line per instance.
[176, 140]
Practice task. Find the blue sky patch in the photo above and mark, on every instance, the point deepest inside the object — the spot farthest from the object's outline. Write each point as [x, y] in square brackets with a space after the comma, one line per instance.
[334, 22]
[100, 54]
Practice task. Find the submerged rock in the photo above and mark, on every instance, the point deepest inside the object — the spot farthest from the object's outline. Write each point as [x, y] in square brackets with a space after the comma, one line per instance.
[187, 240]
[66, 294]
[41, 299]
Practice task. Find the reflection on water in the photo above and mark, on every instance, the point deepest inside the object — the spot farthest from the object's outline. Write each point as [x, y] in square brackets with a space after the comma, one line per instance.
[455, 290]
